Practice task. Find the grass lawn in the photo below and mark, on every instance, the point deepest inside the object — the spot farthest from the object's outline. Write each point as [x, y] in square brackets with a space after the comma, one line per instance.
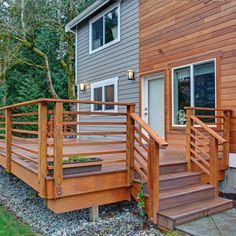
[11, 226]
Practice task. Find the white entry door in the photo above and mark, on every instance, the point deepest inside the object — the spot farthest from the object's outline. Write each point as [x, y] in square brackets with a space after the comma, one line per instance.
[153, 111]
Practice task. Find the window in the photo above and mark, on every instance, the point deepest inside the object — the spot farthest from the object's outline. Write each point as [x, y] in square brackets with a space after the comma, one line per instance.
[105, 29]
[193, 85]
[105, 91]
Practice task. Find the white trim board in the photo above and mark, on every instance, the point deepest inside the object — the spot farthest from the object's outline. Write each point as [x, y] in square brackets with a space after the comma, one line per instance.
[232, 160]
[191, 87]
[101, 14]
[102, 84]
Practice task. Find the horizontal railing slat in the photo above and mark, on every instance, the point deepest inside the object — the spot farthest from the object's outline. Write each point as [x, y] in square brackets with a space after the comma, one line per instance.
[24, 131]
[95, 133]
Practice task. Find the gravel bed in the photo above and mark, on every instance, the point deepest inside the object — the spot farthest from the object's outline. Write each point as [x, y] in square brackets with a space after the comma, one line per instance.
[116, 219]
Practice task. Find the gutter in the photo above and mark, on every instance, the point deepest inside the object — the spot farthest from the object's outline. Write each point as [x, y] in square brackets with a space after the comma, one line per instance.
[86, 14]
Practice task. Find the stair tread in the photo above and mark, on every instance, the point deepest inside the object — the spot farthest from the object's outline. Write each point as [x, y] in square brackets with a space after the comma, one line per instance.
[193, 208]
[169, 163]
[178, 175]
[168, 193]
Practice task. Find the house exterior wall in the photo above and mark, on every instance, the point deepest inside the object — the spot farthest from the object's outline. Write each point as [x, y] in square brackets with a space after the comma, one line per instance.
[188, 32]
[113, 61]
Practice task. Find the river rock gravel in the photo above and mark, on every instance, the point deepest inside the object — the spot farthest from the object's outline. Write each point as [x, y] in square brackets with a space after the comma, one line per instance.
[115, 219]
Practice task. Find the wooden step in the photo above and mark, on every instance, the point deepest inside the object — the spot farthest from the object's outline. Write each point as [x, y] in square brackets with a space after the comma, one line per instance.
[180, 179]
[178, 196]
[172, 167]
[170, 218]
[174, 181]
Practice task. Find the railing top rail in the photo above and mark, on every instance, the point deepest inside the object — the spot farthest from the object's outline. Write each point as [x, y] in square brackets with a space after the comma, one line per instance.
[32, 102]
[208, 129]
[149, 130]
[207, 108]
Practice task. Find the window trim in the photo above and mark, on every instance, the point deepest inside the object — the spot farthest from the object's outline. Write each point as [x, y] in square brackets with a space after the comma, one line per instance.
[191, 87]
[103, 83]
[102, 14]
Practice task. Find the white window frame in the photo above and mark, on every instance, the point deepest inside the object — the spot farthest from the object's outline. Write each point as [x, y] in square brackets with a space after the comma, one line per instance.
[191, 85]
[102, 14]
[103, 83]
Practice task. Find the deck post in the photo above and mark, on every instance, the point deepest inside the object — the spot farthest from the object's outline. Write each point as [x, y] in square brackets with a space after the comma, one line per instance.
[93, 214]
[42, 147]
[153, 179]
[189, 123]
[58, 148]
[8, 133]
[214, 172]
[130, 145]
[226, 135]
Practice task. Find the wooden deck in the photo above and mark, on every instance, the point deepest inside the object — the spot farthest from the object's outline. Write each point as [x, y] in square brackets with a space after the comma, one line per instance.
[167, 156]
[34, 145]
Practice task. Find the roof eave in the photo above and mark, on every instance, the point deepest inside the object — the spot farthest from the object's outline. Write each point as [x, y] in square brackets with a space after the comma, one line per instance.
[85, 14]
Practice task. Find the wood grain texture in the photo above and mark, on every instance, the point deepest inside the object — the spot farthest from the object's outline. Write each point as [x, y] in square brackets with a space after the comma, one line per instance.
[188, 32]
[8, 127]
[58, 147]
[42, 147]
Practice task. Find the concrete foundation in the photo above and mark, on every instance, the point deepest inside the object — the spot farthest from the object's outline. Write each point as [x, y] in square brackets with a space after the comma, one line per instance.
[229, 184]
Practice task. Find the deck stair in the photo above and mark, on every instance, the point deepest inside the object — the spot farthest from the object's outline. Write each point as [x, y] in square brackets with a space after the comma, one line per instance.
[183, 197]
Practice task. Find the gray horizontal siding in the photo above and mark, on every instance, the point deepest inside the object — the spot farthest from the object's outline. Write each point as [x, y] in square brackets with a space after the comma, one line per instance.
[113, 61]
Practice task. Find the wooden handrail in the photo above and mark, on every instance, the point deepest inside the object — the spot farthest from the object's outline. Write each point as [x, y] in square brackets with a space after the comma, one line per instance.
[207, 108]
[194, 128]
[148, 168]
[149, 130]
[33, 102]
[208, 129]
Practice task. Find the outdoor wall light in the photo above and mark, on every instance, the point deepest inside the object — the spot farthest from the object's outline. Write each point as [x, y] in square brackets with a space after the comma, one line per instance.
[131, 75]
[82, 86]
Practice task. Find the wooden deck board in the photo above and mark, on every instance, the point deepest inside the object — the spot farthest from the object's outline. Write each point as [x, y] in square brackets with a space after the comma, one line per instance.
[167, 156]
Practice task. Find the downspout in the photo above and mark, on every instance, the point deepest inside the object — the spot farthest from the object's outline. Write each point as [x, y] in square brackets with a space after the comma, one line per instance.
[68, 29]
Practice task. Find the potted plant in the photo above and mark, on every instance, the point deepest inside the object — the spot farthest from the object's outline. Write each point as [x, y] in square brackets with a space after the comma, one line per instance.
[72, 165]
[181, 117]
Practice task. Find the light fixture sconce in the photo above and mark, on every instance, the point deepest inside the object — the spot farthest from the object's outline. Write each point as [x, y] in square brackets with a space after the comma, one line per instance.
[82, 86]
[131, 75]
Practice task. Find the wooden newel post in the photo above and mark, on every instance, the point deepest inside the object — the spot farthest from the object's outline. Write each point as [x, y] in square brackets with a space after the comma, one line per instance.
[8, 129]
[153, 179]
[189, 123]
[214, 172]
[58, 148]
[42, 147]
[130, 145]
[226, 130]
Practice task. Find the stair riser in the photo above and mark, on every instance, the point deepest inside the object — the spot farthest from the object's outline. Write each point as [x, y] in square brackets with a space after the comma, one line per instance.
[179, 182]
[167, 223]
[201, 214]
[175, 168]
[186, 198]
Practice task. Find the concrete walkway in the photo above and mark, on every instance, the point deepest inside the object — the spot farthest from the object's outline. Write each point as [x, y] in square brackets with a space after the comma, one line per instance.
[222, 224]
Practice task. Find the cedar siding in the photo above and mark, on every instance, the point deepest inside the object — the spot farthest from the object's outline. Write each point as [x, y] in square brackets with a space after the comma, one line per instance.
[187, 32]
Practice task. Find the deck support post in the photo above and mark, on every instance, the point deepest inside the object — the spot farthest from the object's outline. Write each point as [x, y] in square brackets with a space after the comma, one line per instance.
[130, 145]
[58, 148]
[226, 135]
[42, 147]
[189, 123]
[93, 214]
[153, 179]
[8, 133]
[214, 172]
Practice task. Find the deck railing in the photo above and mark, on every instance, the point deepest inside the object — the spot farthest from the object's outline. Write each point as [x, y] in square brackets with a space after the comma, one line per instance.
[207, 140]
[41, 134]
[144, 149]
[29, 123]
